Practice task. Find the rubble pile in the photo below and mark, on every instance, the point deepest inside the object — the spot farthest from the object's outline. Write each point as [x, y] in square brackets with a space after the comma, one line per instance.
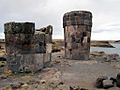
[106, 83]
[103, 57]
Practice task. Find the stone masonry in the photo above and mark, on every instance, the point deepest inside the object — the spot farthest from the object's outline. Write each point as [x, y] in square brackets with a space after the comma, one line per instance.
[26, 47]
[77, 33]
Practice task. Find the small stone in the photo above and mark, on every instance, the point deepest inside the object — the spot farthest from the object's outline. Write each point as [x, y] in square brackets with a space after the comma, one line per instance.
[3, 77]
[83, 89]
[25, 86]
[15, 85]
[53, 85]
[107, 84]
[33, 82]
[43, 81]
[61, 83]
[113, 80]
[57, 61]
[74, 88]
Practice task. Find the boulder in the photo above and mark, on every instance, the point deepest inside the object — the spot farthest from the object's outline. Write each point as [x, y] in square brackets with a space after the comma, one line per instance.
[99, 81]
[107, 84]
[16, 85]
[113, 80]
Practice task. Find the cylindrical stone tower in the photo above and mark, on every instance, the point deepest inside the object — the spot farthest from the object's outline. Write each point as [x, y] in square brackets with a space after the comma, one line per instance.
[77, 33]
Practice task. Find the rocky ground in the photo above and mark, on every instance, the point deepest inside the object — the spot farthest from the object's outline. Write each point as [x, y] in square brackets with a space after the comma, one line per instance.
[64, 74]
[101, 44]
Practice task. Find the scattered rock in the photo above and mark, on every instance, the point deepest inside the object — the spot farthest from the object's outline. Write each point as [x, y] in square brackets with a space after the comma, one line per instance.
[30, 82]
[77, 88]
[113, 80]
[103, 57]
[118, 80]
[16, 85]
[74, 88]
[61, 83]
[63, 87]
[54, 83]
[3, 77]
[57, 61]
[107, 84]
[99, 81]
[25, 86]
[112, 57]
[43, 81]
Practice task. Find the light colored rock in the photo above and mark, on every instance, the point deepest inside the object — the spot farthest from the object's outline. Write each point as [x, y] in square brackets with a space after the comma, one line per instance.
[15, 85]
[107, 83]
[42, 81]
[25, 86]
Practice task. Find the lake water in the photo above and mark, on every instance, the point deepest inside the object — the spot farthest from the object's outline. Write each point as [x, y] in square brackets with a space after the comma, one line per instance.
[108, 50]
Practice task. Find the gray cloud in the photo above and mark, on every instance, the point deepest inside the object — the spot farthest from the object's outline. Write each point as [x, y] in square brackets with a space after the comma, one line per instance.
[44, 12]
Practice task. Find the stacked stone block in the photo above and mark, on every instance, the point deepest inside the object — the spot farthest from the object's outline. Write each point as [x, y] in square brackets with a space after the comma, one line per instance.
[77, 33]
[47, 32]
[25, 47]
[18, 37]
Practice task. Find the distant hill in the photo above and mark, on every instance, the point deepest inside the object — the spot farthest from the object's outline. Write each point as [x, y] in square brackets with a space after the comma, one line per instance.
[94, 43]
[101, 44]
[118, 41]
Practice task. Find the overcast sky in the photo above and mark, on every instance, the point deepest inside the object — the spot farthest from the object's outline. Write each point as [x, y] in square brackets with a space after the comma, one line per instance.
[106, 15]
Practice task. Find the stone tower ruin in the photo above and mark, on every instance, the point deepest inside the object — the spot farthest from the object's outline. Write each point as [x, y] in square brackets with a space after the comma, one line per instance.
[27, 48]
[77, 33]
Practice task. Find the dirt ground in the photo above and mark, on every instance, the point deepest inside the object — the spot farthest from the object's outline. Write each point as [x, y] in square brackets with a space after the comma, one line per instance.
[85, 73]
[63, 73]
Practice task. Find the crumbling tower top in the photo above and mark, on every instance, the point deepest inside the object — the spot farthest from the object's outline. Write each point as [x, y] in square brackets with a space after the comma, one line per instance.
[77, 18]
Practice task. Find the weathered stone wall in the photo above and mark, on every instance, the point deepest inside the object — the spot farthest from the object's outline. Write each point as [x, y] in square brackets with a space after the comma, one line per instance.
[18, 37]
[47, 31]
[77, 33]
[25, 47]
